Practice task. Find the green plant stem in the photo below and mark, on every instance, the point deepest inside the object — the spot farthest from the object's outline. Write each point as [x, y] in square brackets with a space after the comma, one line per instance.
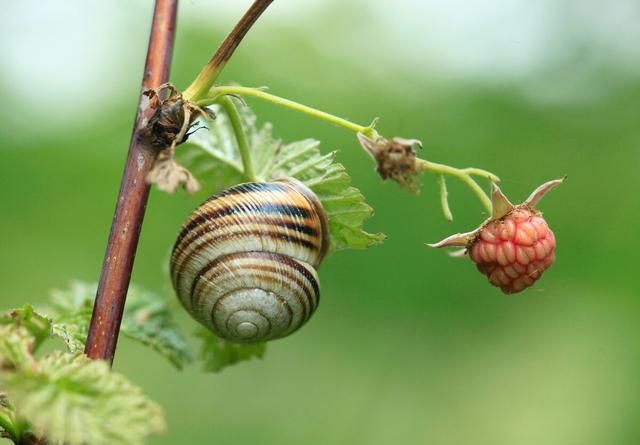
[241, 137]
[464, 174]
[444, 198]
[214, 67]
[217, 92]
[217, 95]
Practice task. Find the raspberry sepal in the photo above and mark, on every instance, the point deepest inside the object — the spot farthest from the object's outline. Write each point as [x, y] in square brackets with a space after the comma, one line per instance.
[514, 246]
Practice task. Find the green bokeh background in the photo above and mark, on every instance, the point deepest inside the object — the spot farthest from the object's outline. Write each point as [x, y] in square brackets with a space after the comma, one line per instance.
[409, 345]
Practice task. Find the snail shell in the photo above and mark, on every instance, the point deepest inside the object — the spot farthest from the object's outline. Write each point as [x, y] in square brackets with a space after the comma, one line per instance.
[244, 264]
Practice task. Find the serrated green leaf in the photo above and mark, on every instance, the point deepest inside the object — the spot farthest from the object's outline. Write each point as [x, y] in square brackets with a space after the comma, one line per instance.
[217, 354]
[7, 416]
[147, 319]
[16, 346]
[214, 156]
[73, 335]
[36, 324]
[73, 400]
[10, 426]
[70, 310]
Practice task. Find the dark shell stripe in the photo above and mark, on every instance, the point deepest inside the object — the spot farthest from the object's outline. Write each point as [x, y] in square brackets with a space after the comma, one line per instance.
[244, 263]
[267, 276]
[305, 233]
[206, 225]
[284, 303]
[250, 187]
[251, 223]
[240, 231]
[256, 266]
[255, 194]
[253, 239]
[222, 299]
[208, 214]
[222, 215]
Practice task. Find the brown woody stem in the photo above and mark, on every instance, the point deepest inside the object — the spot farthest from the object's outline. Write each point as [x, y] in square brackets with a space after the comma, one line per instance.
[133, 195]
[201, 85]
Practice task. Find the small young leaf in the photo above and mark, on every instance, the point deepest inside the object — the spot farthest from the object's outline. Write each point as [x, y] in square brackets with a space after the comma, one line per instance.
[37, 325]
[215, 154]
[16, 346]
[73, 400]
[147, 319]
[217, 353]
[74, 335]
[10, 427]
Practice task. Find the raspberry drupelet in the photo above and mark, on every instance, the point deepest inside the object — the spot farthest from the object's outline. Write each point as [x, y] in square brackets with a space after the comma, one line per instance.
[515, 246]
[515, 251]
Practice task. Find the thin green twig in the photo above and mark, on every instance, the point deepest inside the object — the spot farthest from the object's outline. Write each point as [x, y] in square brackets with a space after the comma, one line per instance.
[217, 92]
[464, 174]
[444, 198]
[241, 137]
[214, 67]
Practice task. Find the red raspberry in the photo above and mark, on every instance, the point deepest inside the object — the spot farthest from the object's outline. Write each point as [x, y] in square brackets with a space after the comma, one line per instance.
[513, 252]
[515, 246]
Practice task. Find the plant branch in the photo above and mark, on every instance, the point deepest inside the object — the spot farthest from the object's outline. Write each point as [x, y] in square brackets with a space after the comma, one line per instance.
[201, 85]
[241, 137]
[134, 192]
[219, 91]
[464, 174]
[444, 198]
[217, 95]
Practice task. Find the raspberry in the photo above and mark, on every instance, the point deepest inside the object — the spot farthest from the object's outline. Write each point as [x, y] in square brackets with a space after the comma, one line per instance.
[515, 246]
[514, 252]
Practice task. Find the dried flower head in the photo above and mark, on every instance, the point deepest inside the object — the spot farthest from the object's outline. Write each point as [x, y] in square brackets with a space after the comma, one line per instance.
[395, 158]
[168, 175]
[172, 117]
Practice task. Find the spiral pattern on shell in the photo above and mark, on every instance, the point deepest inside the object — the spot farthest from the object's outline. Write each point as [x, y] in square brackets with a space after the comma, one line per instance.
[244, 264]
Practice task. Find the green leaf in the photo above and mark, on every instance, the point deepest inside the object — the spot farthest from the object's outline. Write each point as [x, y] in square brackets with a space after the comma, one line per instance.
[74, 335]
[73, 400]
[7, 419]
[215, 154]
[217, 353]
[147, 319]
[70, 310]
[16, 346]
[213, 151]
[37, 325]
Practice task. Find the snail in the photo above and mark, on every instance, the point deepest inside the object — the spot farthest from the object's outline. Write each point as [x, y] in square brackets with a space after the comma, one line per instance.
[245, 262]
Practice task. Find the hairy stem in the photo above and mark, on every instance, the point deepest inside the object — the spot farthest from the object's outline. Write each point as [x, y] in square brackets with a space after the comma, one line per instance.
[464, 174]
[241, 137]
[219, 91]
[132, 198]
[444, 198]
[201, 85]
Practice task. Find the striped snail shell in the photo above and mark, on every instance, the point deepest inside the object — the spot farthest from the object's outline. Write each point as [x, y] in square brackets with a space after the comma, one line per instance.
[244, 264]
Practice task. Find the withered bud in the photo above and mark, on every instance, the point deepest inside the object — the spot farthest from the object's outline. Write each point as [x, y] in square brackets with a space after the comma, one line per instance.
[166, 124]
[395, 158]
[168, 175]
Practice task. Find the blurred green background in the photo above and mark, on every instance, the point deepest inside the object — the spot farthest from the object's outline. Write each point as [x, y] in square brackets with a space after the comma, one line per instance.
[408, 345]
